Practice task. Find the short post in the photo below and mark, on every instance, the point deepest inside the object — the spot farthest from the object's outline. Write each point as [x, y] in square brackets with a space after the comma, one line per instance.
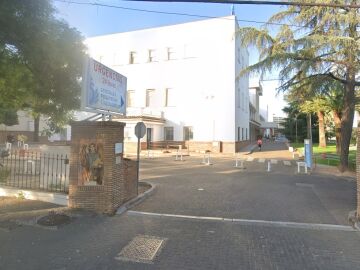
[268, 166]
[8, 146]
[150, 154]
[25, 146]
[208, 159]
[241, 161]
[203, 161]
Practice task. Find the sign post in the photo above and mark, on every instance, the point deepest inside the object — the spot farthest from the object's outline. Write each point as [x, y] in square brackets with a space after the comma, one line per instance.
[140, 130]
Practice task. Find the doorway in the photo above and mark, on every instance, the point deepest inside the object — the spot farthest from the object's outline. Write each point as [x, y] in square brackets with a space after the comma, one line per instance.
[148, 138]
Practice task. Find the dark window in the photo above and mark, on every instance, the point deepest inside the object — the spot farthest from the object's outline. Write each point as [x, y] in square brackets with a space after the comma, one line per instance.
[169, 133]
[188, 133]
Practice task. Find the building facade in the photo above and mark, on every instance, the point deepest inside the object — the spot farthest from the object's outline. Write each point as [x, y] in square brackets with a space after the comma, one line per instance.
[182, 82]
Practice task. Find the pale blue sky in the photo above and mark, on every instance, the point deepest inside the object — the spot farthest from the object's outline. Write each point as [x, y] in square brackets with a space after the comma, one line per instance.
[94, 21]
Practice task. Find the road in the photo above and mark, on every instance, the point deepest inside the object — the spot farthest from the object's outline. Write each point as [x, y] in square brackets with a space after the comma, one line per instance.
[207, 217]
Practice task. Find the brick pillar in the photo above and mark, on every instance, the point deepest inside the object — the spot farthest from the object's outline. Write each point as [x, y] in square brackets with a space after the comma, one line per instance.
[109, 180]
[358, 171]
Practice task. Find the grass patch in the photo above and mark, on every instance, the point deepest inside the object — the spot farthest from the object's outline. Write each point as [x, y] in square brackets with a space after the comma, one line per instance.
[4, 174]
[328, 156]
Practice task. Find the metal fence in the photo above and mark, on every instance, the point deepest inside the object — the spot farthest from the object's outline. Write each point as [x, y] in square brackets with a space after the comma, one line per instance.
[35, 170]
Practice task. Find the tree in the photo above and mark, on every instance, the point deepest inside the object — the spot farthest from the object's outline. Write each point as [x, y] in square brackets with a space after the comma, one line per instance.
[323, 50]
[51, 52]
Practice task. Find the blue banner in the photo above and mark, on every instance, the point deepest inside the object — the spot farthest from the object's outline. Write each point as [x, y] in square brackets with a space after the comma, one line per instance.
[308, 156]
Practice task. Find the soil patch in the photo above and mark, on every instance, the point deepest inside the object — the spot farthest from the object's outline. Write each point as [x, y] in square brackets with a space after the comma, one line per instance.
[54, 219]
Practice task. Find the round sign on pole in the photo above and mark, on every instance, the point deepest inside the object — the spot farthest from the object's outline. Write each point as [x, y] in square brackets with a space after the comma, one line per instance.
[140, 130]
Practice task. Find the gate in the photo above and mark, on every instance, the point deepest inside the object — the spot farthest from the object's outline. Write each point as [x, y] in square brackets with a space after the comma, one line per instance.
[35, 170]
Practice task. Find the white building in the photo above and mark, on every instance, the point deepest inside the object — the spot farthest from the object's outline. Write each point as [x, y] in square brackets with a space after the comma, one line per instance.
[182, 82]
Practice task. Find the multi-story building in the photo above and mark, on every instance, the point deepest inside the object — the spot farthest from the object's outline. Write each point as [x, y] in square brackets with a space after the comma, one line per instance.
[182, 83]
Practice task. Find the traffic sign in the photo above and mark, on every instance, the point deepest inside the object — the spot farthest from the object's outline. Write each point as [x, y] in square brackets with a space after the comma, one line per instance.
[140, 130]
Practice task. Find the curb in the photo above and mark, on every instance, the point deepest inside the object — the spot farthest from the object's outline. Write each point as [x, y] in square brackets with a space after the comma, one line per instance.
[30, 214]
[135, 201]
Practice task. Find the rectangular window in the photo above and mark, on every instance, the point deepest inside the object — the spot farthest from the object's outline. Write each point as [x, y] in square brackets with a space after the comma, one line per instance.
[171, 55]
[168, 133]
[246, 134]
[169, 97]
[188, 133]
[133, 58]
[150, 95]
[130, 98]
[152, 56]
[242, 134]
[238, 137]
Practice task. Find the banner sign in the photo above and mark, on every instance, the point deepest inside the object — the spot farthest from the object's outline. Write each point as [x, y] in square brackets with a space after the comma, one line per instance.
[308, 154]
[103, 90]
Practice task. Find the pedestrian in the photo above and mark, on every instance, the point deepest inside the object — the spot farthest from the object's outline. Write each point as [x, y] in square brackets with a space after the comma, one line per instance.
[259, 143]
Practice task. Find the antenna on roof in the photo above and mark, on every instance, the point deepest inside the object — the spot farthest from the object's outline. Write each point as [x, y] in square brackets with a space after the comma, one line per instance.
[232, 9]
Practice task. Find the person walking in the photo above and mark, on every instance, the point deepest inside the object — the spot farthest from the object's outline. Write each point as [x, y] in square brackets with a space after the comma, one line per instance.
[259, 143]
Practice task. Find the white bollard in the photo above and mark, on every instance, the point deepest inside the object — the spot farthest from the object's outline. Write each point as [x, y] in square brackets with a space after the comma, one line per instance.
[150, 154]
[8, 146]
[269, 166]
[178, 154]
[203, 161]
[241, 165]
[25, 146]
[208, 159]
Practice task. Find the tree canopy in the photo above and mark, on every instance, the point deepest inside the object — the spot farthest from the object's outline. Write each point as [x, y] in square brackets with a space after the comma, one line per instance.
[314, 47]
[41, 57]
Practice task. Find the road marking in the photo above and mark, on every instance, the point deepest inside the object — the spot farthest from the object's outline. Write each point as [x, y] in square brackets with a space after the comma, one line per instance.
[261, 160]
[229, 172]
[274, 161]
[283, 224]
[287, 163]
[304, 185]
[250, 159]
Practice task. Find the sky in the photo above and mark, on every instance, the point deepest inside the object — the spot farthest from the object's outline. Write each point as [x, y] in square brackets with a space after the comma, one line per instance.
[94, 21]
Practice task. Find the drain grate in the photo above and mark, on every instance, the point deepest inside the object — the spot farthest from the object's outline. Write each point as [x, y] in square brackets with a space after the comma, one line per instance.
[143, 248]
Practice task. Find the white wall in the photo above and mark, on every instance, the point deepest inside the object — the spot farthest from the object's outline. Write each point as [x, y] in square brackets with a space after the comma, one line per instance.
[242, 98]
[203, 74]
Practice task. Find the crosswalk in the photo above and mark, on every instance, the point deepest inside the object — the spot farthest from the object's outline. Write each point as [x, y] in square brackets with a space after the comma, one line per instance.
[271, 160]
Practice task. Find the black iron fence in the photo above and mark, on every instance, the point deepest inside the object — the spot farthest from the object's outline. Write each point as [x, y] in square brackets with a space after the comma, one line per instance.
[34, 170]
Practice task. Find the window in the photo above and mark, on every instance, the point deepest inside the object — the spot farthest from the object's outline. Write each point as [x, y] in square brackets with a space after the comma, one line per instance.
[168, 133]
[188, 133]
[150, 94]
[169, 97]
[133, 58]
[242, 134]
[152, 56]
[130, 98]
[238, 137]
[171, 55]
[246, 134]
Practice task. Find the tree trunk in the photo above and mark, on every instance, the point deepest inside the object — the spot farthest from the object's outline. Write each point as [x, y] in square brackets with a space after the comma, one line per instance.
[337, 120]
[322, 139]
[36, 128]
[347, 123]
